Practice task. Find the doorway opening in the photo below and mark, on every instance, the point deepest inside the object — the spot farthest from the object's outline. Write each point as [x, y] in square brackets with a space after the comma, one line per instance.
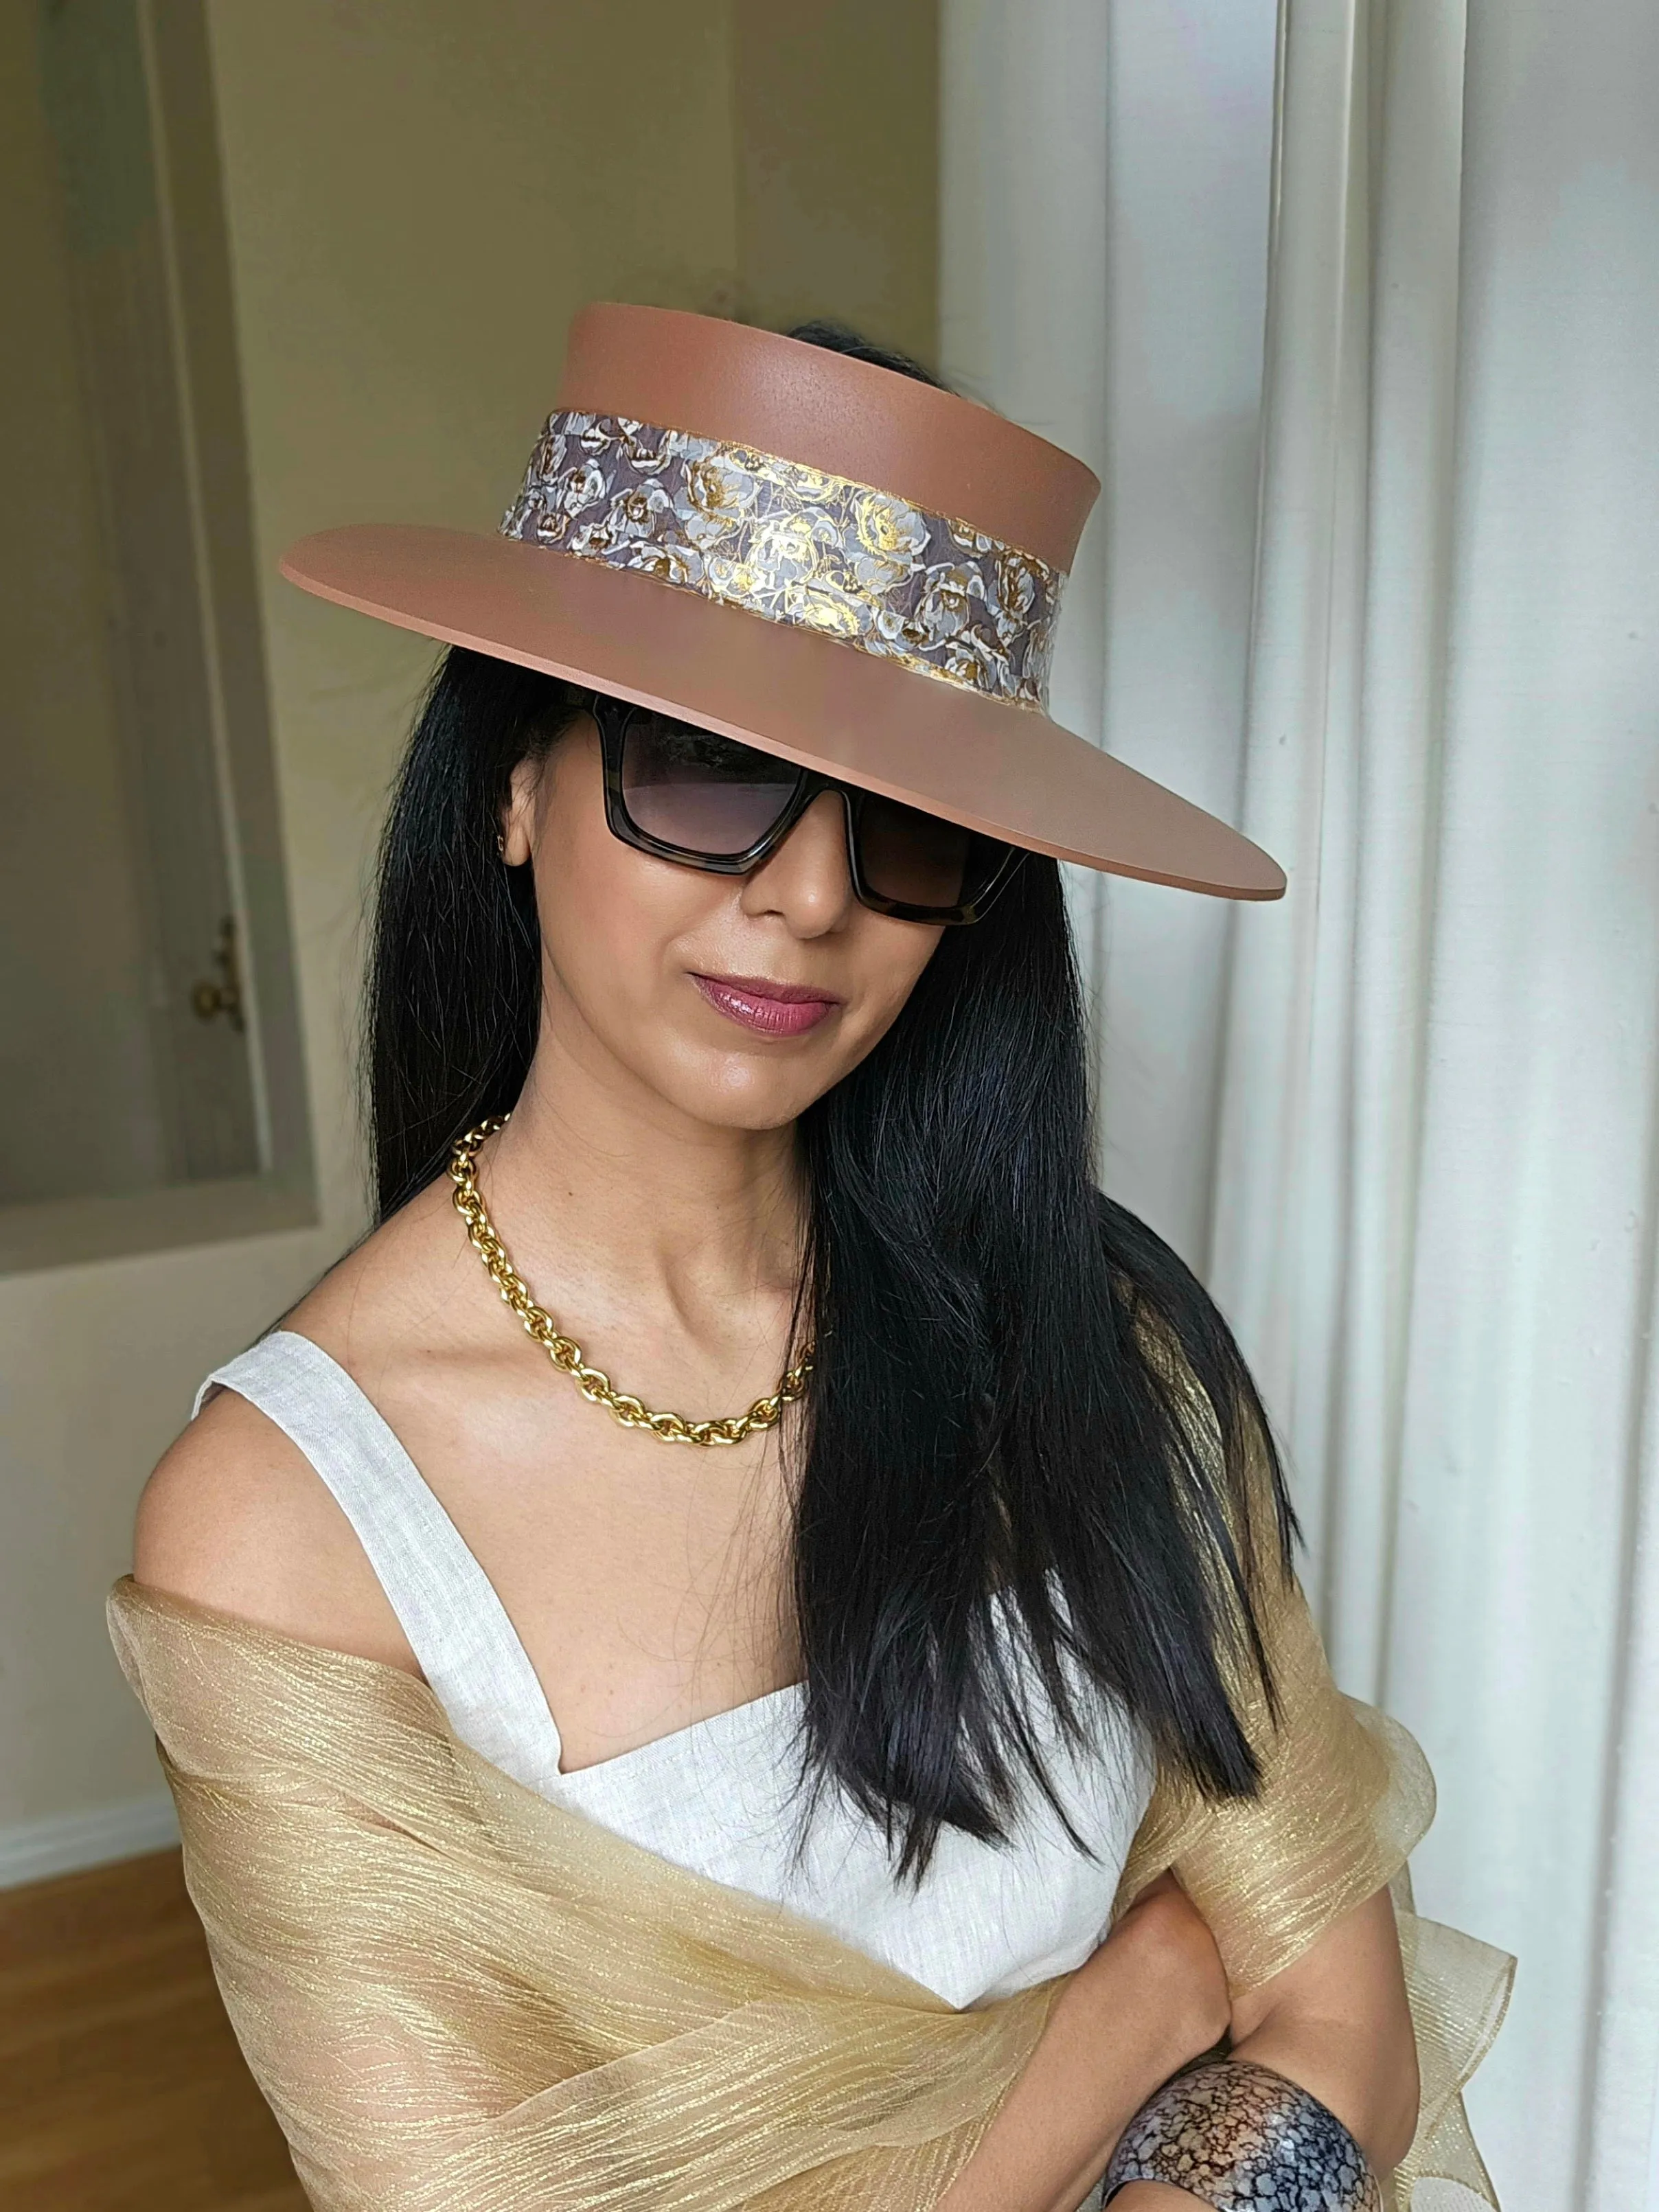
[151, 1086]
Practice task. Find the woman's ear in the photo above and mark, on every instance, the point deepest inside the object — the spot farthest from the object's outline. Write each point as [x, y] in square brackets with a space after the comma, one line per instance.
[518, 841]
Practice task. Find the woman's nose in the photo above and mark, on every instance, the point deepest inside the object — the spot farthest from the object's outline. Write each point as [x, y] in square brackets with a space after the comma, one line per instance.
[807, 882]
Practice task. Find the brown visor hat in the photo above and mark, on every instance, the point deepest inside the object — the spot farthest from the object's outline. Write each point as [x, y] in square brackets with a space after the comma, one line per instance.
[839, 565]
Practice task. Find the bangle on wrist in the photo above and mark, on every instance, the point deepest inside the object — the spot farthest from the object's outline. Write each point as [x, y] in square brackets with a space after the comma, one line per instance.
[1240, 2138]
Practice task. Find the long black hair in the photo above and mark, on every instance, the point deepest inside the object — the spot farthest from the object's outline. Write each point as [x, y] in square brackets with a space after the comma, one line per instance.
[1003, 1429]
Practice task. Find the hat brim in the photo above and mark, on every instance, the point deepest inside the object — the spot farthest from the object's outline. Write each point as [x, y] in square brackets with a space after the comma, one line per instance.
[1004, 771]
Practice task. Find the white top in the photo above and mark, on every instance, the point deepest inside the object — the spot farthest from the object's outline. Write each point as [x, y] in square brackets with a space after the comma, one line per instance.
[718, 1797]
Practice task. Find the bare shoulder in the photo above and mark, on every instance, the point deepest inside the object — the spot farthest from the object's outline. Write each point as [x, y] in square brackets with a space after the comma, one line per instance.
[235, 1517]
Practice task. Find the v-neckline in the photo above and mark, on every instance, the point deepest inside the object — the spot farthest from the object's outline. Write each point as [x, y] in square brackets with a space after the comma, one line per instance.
[493, 1615]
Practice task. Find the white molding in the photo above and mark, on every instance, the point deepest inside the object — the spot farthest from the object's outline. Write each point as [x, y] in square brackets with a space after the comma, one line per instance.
[35, 1850]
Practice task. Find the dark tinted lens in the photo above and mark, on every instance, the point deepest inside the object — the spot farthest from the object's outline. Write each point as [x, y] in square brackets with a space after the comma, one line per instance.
[706, 794]
[919, 860]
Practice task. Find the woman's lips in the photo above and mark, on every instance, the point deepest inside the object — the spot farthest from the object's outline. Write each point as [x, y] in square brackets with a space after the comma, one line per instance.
[773, 1009]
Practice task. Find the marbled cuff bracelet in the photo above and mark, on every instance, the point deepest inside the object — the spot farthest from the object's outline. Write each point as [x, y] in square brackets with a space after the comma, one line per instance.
[1243, 2139]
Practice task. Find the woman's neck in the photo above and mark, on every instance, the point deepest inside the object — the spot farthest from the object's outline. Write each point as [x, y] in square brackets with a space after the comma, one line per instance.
[616, 1201]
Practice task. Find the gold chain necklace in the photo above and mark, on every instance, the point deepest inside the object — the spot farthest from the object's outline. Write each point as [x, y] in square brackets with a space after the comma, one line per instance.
[566, 1356]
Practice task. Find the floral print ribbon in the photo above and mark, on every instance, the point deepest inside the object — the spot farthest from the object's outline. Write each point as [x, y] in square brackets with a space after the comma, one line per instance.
[796, 545]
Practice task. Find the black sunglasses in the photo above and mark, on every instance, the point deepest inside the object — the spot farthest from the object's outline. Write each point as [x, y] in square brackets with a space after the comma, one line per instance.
[686, 795]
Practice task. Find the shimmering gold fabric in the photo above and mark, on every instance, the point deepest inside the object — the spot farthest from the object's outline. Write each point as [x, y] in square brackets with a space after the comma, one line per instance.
[459, 1997]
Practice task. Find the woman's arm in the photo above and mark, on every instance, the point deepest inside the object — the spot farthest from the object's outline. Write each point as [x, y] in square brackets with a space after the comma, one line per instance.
[1336, 2022]
[1153, 1997]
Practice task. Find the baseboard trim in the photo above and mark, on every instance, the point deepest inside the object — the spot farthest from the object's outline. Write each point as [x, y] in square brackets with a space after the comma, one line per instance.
[35, 1850]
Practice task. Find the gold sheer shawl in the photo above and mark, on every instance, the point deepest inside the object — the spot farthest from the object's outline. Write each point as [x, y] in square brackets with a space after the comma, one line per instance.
[458, 1997]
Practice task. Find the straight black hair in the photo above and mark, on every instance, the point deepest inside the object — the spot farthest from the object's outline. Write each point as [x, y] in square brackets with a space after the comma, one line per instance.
[1030, 1444]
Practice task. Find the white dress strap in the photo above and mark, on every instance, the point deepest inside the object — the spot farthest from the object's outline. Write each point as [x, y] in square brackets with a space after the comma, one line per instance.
[458, 1628]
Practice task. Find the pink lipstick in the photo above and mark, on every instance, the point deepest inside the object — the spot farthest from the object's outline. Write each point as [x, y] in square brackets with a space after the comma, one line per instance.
[779, 1010]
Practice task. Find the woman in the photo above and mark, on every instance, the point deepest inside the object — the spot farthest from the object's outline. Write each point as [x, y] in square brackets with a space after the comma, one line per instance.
[703, 1806]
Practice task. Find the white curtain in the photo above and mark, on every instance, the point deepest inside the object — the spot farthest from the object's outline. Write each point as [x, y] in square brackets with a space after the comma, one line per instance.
[1407, 1125]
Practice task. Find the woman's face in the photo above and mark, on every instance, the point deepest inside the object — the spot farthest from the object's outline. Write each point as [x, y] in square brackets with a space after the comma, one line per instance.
[739, 999]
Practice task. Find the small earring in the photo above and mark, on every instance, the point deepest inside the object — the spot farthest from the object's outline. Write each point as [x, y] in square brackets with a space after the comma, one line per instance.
[501, 842]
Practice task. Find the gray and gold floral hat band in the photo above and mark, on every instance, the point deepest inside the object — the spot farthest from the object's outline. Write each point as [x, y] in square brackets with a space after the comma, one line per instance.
[794, 545]
[844, 567]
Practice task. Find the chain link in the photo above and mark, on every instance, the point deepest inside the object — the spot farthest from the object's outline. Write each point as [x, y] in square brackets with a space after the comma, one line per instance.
[567, 1355]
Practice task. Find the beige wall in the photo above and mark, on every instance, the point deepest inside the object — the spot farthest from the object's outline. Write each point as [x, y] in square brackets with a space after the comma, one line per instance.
[837, 123]
[419, 196]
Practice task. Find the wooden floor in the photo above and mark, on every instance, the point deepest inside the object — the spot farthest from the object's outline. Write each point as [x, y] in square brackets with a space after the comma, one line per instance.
[121, 2088]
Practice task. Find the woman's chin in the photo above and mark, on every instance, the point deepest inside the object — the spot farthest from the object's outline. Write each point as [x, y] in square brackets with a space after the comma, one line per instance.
[746, 1090]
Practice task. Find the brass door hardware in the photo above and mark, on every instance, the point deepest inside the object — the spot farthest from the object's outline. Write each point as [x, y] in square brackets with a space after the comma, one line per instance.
[208, 1000]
